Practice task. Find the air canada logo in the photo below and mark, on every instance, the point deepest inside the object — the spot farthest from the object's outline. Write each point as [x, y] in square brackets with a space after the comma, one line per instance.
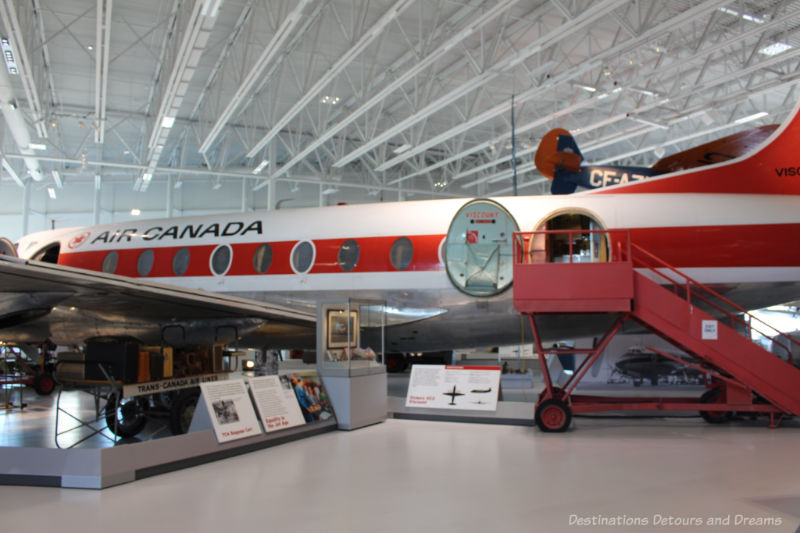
[472, 237]
[78, 240]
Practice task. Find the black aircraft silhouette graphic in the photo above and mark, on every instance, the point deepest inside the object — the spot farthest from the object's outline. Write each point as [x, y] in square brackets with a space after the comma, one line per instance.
[453, 395]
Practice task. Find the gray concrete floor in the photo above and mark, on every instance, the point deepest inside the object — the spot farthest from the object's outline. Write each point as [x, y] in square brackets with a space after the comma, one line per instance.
[449, 477]
[604, 474]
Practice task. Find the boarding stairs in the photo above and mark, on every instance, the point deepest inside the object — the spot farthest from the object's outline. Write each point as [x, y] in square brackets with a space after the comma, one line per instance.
[618, 277]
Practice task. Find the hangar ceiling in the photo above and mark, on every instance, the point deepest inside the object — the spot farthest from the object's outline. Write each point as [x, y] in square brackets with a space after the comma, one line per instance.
[192, 106]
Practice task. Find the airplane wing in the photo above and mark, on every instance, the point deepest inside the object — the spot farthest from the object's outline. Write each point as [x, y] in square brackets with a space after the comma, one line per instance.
[46, 300]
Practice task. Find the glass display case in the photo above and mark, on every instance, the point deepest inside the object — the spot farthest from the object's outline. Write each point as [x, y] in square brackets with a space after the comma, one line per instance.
[350, 336]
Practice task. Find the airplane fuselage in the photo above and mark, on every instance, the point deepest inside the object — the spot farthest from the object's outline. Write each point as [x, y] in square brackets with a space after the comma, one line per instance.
[741, 244]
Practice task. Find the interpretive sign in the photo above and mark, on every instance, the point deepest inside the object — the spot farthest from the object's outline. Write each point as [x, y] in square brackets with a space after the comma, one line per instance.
[276, 402]
[231, 410]
[454, 387]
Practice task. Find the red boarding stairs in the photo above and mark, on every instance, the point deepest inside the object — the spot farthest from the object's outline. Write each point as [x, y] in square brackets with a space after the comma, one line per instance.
[617, 276]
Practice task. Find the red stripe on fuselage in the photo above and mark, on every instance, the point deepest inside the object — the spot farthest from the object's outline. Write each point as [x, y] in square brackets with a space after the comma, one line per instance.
[374, 256]
[766, 245]
[770, 245]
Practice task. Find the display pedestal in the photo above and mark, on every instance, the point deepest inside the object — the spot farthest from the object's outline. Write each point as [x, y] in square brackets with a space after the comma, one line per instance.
[358, 396]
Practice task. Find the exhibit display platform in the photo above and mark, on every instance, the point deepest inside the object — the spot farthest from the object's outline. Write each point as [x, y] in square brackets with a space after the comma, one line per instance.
[507, 413]
[107, 467]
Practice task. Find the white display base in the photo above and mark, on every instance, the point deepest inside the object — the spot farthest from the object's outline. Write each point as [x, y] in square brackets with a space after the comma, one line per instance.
[507, 413]
[358, 400]
[99, 468]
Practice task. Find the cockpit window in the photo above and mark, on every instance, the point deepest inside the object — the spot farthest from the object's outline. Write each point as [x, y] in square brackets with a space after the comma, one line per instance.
[478, 251]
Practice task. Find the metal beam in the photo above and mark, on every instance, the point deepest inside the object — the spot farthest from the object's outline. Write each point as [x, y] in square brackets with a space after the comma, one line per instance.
[562, 32]
[424, 63]
[269, 53]
[332, 72]
[102, 46]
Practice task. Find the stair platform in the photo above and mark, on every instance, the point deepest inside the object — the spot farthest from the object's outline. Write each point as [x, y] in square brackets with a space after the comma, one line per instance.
[620, 277]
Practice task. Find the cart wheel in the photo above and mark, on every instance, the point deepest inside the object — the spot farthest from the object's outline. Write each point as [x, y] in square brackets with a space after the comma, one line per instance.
[714, 417]
[553, 416]
[182, 411]
[44, 384]
[126, 419]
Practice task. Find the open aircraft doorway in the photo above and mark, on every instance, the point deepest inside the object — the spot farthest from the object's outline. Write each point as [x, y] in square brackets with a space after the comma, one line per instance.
[572, 240]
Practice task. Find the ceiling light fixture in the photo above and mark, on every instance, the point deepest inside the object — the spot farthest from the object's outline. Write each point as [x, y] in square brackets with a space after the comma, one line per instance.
[750, 118]
[261, 166]
[775, 49]
[167, 122]
[136, 211]
[37, 146]
[57, 178]
[8, 55]
[52, 192]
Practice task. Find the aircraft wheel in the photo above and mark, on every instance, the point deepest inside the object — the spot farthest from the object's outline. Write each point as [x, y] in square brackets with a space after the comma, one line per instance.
[126, 419]
[553, 416]
[44, 384]
[714, 417]
[182, 411]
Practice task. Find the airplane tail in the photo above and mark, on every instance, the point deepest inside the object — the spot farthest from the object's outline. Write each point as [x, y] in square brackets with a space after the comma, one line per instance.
[737, 164]
[557, 158]
[773, 167]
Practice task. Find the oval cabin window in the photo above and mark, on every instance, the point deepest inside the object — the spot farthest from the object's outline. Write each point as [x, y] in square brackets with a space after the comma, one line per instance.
[221, 259]
[110, 262]
[145, 262]
[262, 258]
[402, 253]
[180, 262]
[302, 257]
[348, 255]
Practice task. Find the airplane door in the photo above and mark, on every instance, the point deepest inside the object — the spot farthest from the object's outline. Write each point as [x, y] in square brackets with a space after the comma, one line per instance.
[478, 251]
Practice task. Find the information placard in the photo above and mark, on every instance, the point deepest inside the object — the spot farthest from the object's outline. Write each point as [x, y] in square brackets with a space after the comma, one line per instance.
[231, 410]
[276, 402]
[454, 387]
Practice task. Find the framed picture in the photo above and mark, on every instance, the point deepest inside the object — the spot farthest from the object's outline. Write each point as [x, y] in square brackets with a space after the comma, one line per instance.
[338, 327]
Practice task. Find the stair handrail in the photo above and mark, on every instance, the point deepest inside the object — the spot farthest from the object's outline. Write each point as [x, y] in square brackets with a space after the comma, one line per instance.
[621, 249]
[618, 249]
[690, 282]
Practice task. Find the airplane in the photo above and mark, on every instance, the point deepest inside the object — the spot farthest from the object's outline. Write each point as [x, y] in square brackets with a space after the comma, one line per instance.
[639, 364]
[559, 159]
[453, 395]
[443, 267]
